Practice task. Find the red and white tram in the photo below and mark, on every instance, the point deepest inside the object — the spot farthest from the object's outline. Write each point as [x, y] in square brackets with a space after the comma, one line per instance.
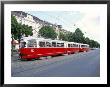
[31, 48]
[72, 47]
[84, 48]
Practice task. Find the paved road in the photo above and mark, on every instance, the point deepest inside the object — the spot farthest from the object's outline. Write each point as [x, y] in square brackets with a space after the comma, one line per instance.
[85, 64]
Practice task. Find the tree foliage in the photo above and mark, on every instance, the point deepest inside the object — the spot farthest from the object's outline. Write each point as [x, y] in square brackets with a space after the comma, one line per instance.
[78, 36]
[63, 36]
[48, 32]
[17, 29]
[70, 37]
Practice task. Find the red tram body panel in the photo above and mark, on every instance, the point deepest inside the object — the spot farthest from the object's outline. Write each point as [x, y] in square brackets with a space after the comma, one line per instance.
[83, 49]
[72, 50]
[40, 52]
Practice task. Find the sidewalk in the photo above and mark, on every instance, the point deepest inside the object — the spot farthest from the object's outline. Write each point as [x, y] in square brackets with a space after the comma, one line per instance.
[15, 56]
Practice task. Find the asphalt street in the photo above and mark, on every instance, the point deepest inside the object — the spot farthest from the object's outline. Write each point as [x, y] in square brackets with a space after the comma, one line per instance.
[83, 64]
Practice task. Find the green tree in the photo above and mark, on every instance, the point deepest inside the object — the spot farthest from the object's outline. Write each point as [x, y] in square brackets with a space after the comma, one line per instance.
[48, 32]
[70, 37]
[14, 27]
[26, 30]
[91, 42]
[63, 36]
[17, 29]
[78, 36]
[94, 44]
[86, 40]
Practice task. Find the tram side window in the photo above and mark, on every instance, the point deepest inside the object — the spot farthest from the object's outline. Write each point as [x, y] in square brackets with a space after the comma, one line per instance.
[86, 46]
[42, 44]
[53, 44]
[69, 45]
[23, 44]
[32, 43]
[48, 44]
[60, 44]
[83, 45]
[75, 45]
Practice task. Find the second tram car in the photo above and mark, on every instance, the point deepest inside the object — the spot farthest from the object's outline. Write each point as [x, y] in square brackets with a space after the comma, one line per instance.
[31, 48]
[84, 48]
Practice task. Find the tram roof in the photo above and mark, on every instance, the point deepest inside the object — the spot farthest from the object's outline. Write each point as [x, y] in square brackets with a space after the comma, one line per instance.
[83, 44]
[28, 38]
[40, 39]
[43, 39]
[73, 42]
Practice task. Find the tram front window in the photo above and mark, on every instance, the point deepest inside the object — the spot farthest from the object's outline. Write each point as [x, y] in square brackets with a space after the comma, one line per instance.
[22, 44]
[32, 43]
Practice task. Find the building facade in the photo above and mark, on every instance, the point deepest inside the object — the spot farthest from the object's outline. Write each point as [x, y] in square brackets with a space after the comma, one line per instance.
[35, 22]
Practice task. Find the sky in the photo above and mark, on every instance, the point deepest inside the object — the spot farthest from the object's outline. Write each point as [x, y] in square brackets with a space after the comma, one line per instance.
[87, 21]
